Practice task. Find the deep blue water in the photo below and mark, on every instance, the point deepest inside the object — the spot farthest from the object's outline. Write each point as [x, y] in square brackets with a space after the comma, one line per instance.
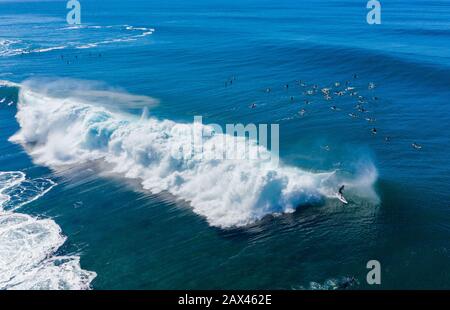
[182, 53]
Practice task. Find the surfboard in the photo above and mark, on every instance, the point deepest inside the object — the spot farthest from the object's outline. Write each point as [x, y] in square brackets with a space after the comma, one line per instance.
[341, 198]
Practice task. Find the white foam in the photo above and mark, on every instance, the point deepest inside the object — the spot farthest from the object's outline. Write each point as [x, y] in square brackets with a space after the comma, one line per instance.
[25, 192]
[127, 34]
[8, 42]
[86, 46]
[66, 130]
[4, 83]
[9, 180]
[58, 273]
[144, 32]
[12, 47]
[48, 49]
[341, 283]
[28, 244]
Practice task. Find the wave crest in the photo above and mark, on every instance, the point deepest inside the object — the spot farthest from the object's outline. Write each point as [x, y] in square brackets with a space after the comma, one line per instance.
[65, 130]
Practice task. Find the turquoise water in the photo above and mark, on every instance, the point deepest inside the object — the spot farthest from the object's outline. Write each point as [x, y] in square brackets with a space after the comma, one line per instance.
[108, 210]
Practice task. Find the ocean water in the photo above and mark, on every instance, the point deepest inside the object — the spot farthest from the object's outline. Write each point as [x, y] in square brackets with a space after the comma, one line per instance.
[90, 196]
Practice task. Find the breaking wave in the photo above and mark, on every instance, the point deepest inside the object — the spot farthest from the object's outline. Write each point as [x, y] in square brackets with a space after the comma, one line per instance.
[59, 129]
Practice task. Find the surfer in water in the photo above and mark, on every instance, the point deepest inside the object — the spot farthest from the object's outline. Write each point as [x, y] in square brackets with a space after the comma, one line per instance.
[341, 194]
[416, 146]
